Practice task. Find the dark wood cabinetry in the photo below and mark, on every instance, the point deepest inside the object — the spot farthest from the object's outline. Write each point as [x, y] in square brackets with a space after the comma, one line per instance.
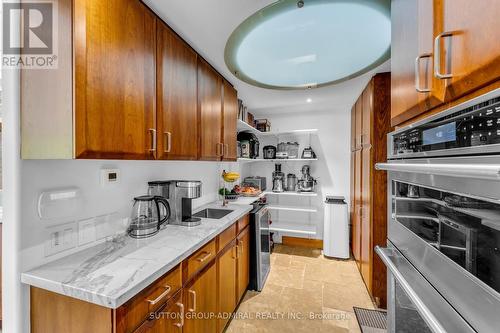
[210, 108]
[441, 51]
[243, 242]
[230, 116]
[371, 122]
[177, 114]
[114, 79]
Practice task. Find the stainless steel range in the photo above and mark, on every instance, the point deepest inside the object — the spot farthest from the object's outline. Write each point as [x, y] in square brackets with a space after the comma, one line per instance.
[443, 254]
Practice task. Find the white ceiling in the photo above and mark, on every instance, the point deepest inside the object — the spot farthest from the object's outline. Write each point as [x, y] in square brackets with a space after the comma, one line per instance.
[207, 25]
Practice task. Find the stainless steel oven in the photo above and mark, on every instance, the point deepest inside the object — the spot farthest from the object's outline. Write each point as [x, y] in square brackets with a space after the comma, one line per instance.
[260, 249]
[443, 253]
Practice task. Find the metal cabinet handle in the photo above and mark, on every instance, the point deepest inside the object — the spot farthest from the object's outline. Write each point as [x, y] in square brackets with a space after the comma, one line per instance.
[161, 296]
[153, 139]
[476, 171]
[429, 318]
[417, 72]
[204, 257]
[168, 142]
[181, 309]
[437, 56]
[193, 294]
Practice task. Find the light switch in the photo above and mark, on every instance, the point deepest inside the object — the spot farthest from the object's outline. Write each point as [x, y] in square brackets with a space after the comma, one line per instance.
[60, 238]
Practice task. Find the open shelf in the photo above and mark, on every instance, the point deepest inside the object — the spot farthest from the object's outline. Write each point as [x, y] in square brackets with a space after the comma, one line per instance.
[290, 227]
[293, 208]
[298, 194]
[244, 127]
[286, 160]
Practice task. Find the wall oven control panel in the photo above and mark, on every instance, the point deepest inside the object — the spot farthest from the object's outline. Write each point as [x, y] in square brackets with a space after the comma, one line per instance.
[465, 126]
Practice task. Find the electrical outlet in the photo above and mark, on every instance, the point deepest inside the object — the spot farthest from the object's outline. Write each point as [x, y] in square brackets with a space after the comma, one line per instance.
[86, 231]
[60, 238]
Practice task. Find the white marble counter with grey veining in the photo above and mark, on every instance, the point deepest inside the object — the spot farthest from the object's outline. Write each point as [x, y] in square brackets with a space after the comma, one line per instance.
[113, 272]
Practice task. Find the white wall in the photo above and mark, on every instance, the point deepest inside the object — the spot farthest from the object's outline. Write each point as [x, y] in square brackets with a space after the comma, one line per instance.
[331, 145]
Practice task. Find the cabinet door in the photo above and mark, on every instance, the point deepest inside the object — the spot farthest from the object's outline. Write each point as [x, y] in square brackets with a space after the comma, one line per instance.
[114, 79]
[169, 319]
[177, 114]
[200, 299]
[210, 106]
[414, 24]
[365, 220]
[353, 128]
[227, 272]
[230, 108]
[243, 261]
[366, 116]
[472, 53]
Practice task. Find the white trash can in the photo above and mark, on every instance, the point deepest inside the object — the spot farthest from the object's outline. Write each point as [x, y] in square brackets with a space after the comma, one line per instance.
[336, 228]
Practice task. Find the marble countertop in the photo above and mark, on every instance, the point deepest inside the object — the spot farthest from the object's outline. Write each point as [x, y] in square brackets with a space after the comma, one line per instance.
[111, 273]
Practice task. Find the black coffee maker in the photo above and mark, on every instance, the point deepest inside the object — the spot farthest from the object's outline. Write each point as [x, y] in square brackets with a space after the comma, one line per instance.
[253, 141]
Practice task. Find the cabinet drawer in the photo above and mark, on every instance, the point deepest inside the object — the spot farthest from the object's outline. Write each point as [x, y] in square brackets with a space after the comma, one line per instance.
[200, 259]
[130, 315]
[227, 236]
[243, 222]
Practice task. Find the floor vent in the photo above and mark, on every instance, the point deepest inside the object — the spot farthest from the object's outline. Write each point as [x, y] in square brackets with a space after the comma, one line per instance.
[371, 321]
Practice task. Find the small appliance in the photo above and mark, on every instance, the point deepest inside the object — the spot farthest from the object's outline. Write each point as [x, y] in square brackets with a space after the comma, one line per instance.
[291, 182]
[249, 145]
[282, 151]
[269, 152]
[256, 181]
[278, 179]
[180, 194]
[308, 153]
[146, 218]
[307, 182]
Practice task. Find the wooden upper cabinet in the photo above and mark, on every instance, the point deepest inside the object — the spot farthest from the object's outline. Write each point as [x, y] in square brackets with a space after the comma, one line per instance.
[415, 89]
[177, 107]
[210, 109]
[114, 79]
[230, 114]
[470, 48]
[367, 115]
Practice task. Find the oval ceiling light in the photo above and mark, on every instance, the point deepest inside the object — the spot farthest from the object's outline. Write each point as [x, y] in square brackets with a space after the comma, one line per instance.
[295, 44]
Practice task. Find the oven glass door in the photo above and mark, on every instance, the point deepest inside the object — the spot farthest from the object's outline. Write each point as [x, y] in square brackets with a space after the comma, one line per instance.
[464, 229]
[265, 246]
[406, 318]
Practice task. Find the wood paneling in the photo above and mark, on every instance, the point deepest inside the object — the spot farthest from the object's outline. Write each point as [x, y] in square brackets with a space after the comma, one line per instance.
[243, 242]
[302, 242]
[369, 216]
[200, 299]
[227, 236]
[130, 315]
[472, 53]
[177, 107]
[227, 283]
[230, 116]
[114, 79]
[51, 312]
[243, 222]
[210, 109]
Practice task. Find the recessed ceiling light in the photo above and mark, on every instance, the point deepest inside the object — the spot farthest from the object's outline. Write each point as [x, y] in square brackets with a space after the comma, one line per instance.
[325, 42]
[309, 100]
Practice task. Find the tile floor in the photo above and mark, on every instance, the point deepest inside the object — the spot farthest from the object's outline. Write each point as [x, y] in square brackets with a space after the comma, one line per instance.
[305, 292]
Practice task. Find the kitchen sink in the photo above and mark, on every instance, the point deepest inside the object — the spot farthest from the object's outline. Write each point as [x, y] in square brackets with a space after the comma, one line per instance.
[212, 213]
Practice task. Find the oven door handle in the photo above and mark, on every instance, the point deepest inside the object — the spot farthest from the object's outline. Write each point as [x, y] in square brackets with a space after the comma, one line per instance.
[385, 254]
[477, 171]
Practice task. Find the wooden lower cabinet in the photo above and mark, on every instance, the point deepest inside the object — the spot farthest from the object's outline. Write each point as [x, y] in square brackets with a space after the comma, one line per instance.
[199, 302]
[243, 242]
[369, 200]
[227, 265]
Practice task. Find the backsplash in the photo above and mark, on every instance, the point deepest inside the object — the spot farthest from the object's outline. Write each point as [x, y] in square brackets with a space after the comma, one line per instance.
[105, 209]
